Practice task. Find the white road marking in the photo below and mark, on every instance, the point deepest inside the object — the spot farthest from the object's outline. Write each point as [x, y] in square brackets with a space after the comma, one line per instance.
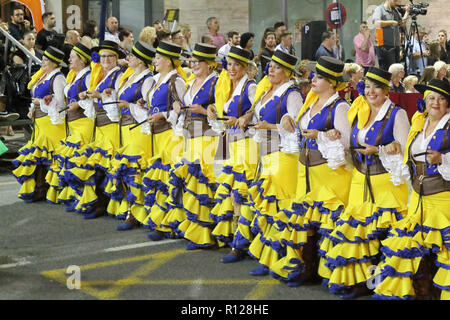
[139, 245]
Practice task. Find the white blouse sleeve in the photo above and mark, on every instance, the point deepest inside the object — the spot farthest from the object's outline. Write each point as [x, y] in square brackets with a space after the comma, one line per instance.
[180, 87]
[444, 167]
[137, 112]
[57, 103]
[401, 127]
[251, 92]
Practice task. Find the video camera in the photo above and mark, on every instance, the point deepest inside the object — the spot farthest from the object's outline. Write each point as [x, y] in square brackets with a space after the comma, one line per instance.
[418, 9]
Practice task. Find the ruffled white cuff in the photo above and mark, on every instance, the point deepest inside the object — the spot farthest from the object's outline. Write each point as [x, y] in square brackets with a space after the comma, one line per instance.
[51, 109]
[112, 110]
[140, 115]
[172, 118]
[393, 164]
[333, 151]
[288, 140]
[178, 129]
[444, 167]
[88, 106]
[217, 126]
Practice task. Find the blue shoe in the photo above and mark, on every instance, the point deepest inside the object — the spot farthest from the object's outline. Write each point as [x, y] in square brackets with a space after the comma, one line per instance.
[125, 226]
[260, 271]
[233, 256]
[70, 207]
[294, 283]
[156, 236]
[191, 246]
[92, 215]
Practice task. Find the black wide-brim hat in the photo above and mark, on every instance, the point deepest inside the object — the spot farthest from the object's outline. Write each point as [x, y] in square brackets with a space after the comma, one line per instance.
[380, 76]
[286, 60]
[170, 50]
[111, 46]
[82, 51]
[204, 51]
[55, 55]
[440, 86]
[328, 67]
[239, 54]
[144, 52]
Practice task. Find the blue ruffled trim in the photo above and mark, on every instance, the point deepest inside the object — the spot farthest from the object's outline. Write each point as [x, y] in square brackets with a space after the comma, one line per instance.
[240, 242]
[384, 297]
[341, 261]
[405, 253]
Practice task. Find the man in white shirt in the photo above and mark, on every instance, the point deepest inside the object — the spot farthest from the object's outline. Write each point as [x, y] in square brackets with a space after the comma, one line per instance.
[234, 39]
[112, 32]
[286, 43]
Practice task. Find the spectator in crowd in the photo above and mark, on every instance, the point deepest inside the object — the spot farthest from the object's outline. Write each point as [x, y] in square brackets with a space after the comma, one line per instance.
[305, 86]
[246, 43]
[29, 41]
[89, 37]
[286, 43]
[252, 70]
[441, 70]
[213, 26]
[416, 53]
[266, 49]
[387, 20]
[409, 82]
[158, 25]
[397, 73]
[442, 38]
[338, 49]
[326, 47]
[46, 35]
[148, 35]
[16, 26]
[355, 74]
[112, 30]
[177, 37]
[206, 38]
[364, 49]
[304, 70]
[234, 39]
[186, 32]
[163, 35]
[435, 52]
[72, 38]
[279, 29]
[428, 74]
[126, 43]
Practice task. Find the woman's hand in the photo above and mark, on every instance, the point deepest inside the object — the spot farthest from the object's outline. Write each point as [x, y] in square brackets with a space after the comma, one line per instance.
[288, 124]
[196, 108]
[369, 149]
[434, 157]
[263, 125]
[36, 102]
[155, 117]
[82, 95]
[211, 112]
[30, 114]
[48, 99]
[108, 91]
[123, 104]
[310, 133]
[141, 103]
[73, 106]
[393, 148]
[177, 107]
[244, 120]
[93, 94]
[333, 135]
[232, 121]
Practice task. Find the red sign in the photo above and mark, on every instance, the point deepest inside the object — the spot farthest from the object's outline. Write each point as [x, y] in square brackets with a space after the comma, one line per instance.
[336, 15]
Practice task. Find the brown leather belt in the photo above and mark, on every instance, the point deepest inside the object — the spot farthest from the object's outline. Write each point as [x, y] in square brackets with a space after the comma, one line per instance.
[311, 157]
[127, 119]
[233, 137]
[375, 168]
[160, 126]
[75, 115]
[101, 119]
[270, 142]
[38, 113]
[198, 127]
[431, 184]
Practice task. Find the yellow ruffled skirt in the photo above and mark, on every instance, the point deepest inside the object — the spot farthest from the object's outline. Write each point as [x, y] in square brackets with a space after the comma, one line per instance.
[270, 194]
[234, 182]
[360, 229]
[40, 150]
[409, 241]
[85, 166]
[318, 209]
[167, 151]
[124, 186]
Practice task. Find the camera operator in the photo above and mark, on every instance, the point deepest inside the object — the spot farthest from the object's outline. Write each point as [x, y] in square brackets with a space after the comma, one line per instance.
[417, 53]
[387, 20]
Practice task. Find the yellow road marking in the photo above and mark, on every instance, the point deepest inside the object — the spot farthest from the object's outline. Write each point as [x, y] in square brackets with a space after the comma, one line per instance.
[262, 289]
[7, 183]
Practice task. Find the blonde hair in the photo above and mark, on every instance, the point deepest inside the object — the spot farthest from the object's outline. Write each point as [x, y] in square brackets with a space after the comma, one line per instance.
[351, 68]
[148, 35]
[396, 68]
[409, 80]
[438, 65]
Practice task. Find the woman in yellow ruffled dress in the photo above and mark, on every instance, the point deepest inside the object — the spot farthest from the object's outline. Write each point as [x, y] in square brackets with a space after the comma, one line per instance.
[276, 179]
[235, 93]
[416, 252]
[124, 185]
[78, 127]
[86, 170]
[167, 147]
[378, 192]
[192, 179]
[47, 92]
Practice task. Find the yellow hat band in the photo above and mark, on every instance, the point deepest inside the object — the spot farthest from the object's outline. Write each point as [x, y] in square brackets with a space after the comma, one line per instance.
[52, 57]
[204, 55]
[103, 50]
[438, 89]
[170, 53]
[235, 56]
[283, 63]
[328, 71]
[378, 78]
[82, 53]
[143, 55]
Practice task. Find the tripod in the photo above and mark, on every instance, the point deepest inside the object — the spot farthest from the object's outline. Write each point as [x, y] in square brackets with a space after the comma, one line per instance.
[414, 29]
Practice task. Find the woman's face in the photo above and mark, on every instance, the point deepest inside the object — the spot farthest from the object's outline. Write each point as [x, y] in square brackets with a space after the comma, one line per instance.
[133, 61]
[199, 68]
[357, 76]
[129, 40]
[436, 104]
[276, 74]
[376, 95]
[320, 84]
[108, 59]
[29, 40]
[270, 40]
[47, 64]
[442, 37]
[249, 43]
[442, 72]
[161, 64]
[75, 62]
[235, 69]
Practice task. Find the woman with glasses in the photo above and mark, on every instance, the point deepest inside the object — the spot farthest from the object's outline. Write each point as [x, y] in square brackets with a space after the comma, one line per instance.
[89, 166]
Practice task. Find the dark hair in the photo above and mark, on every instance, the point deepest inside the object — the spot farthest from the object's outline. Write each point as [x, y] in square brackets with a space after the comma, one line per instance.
[284, 34]
[17, 7]
[232, 33]
[326, 34]
[204, 37]
[89, 28]
[46, 15]
[124, 33]
[161, 34]
[245, 37]
[278, 24]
